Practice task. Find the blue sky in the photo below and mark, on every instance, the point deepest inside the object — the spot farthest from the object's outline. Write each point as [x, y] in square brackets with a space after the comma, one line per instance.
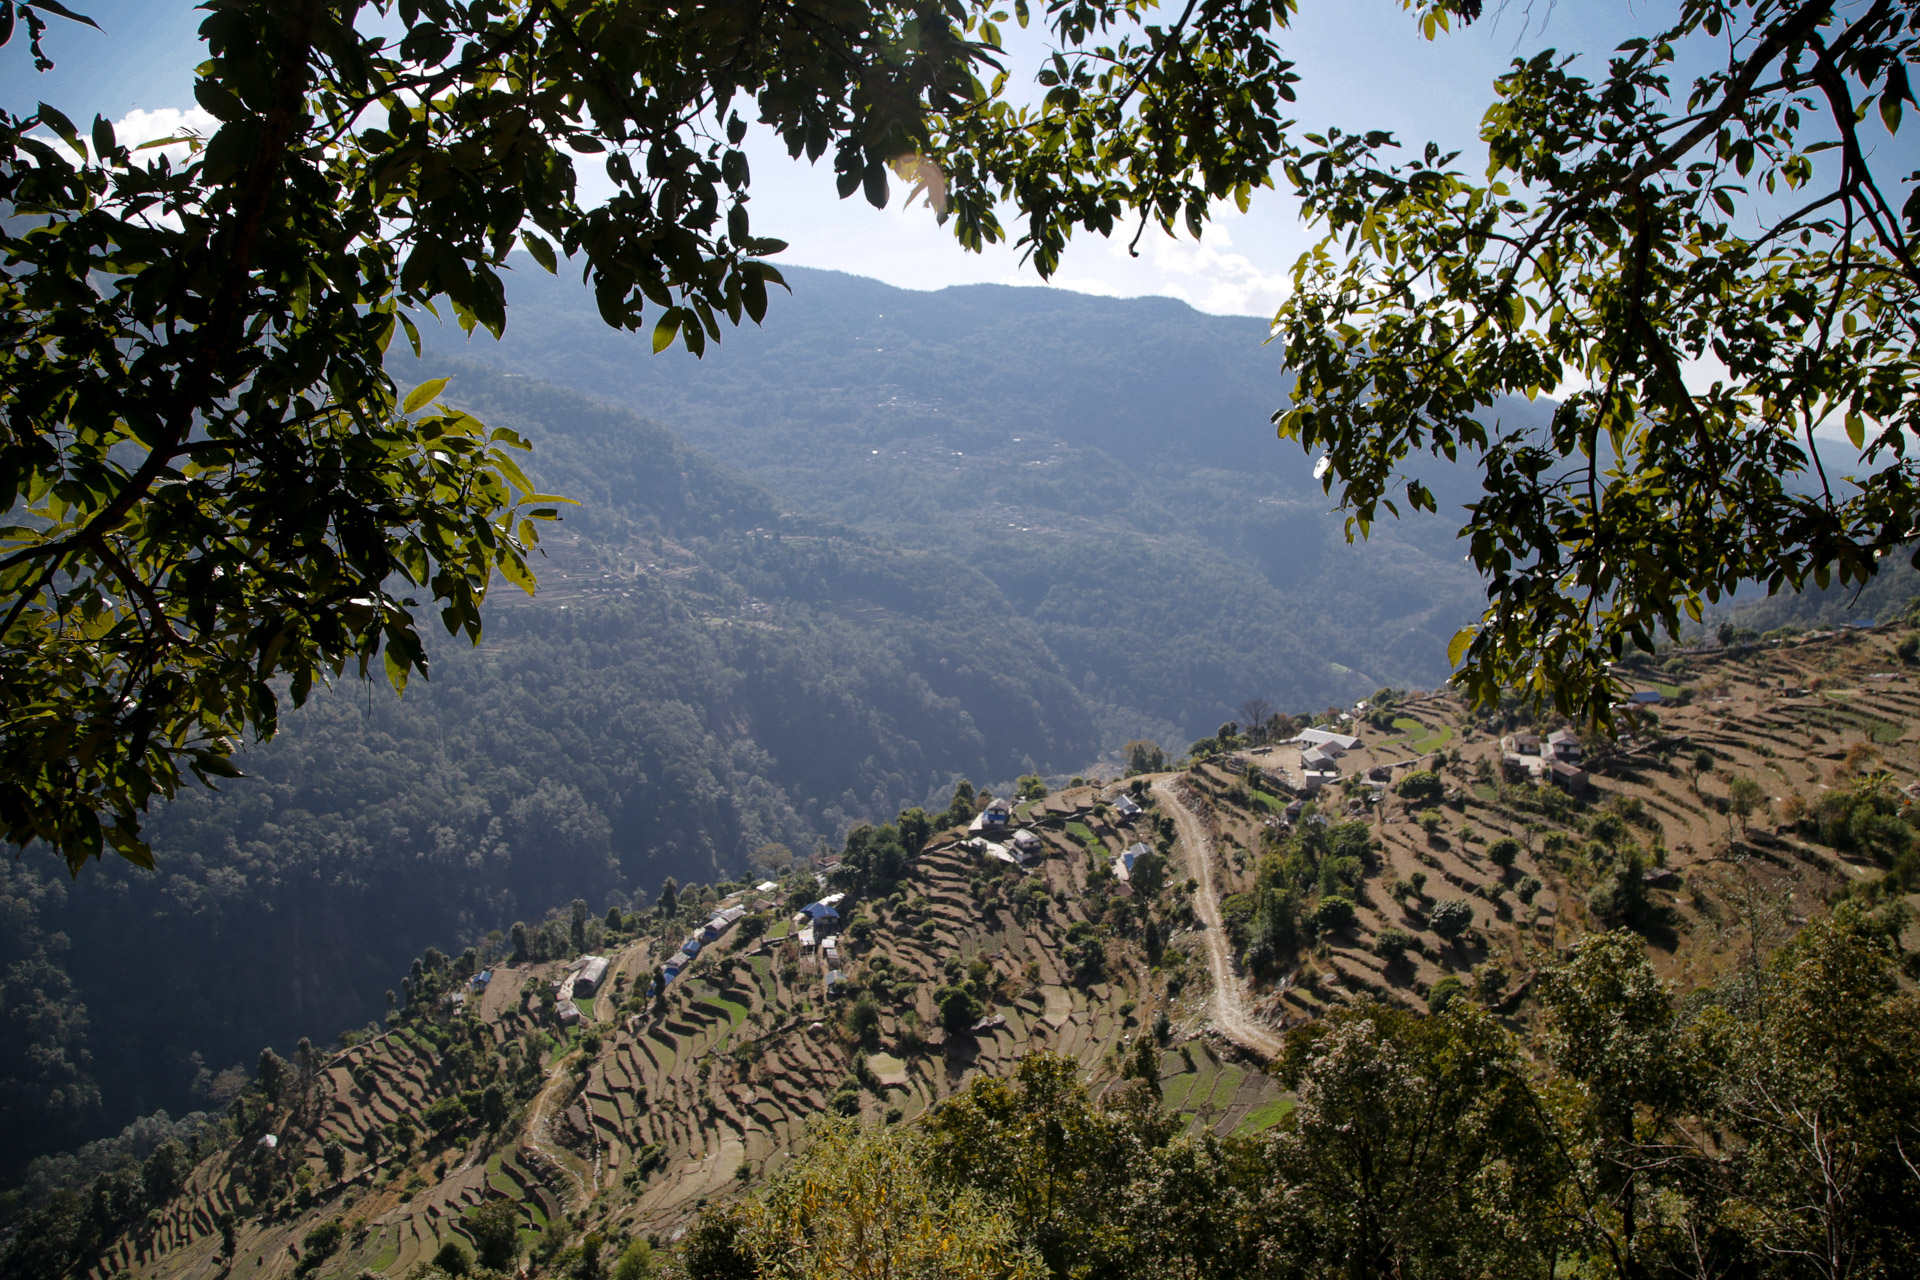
[1364, 63]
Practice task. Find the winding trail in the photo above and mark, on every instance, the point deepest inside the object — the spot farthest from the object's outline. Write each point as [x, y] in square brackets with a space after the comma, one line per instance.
[1228, 1007]
[538, 1127]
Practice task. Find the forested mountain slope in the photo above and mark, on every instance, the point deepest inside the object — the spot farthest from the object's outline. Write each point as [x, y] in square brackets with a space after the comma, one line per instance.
[701, 675]
[1107, 462]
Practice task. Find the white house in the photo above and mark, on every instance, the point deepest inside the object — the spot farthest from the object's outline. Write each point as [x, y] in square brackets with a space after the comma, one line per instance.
[1337, 744]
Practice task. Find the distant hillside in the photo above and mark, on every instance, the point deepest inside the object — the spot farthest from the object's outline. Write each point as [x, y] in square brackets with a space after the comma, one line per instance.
[701, 675]
[1108, 463]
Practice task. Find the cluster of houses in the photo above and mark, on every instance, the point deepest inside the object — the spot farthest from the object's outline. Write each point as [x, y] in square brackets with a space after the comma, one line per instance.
[1320, 752]
[717, 924]
[815, 927]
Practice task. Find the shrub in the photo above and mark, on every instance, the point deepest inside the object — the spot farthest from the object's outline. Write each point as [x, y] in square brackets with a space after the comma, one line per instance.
[318, 1245]
[1451, 918]
[1334, 913]
[495, 1228]
[452, 1259]
[1421, 787]
[1444, 993]
[1393, 944]
[959, 1010]
[1503, 852]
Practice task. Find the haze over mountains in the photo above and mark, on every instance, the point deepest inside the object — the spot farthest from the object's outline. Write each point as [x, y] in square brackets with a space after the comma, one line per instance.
[1108, 463]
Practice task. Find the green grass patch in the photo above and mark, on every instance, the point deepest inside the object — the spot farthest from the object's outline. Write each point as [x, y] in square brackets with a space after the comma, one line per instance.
[1434, 741]
[1407, 724]
[1080, 833]
[1272, 804]
[1267, 1115]
[389, 1251]
[1225, 1085]
[781, 928]
[1173, 1093]
[1485, 792]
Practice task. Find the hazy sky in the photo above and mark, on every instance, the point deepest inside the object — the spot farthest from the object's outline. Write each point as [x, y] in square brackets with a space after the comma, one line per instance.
[1365, 66]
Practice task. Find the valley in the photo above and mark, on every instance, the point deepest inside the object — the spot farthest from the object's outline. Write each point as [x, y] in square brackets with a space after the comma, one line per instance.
[1205, 913]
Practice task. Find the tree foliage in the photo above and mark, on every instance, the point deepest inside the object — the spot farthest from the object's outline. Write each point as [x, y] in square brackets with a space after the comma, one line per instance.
[1763, 1127]
[213, 482]
[1634, 221]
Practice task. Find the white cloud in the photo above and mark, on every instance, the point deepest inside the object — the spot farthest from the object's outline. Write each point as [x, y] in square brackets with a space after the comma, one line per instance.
[138, 126]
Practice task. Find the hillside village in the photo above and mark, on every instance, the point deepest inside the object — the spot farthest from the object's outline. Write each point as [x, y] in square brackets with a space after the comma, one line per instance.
[671, 1061]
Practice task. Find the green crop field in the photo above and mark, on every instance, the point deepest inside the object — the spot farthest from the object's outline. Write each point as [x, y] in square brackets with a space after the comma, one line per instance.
[1266, 1115]
[1432, 742]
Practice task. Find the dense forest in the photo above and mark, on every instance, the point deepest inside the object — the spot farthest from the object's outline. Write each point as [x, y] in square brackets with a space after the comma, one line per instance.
[701, 676]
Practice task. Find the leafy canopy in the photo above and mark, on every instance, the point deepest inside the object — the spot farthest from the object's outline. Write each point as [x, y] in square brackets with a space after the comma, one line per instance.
[1634, 227]
[215, 493]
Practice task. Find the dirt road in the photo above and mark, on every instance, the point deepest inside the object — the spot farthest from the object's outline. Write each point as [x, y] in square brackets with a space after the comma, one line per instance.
[1229, 1005]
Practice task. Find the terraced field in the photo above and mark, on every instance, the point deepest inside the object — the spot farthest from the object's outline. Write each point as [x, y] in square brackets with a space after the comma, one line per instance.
[666, 1107]
[1799, 719]
[651, 1109]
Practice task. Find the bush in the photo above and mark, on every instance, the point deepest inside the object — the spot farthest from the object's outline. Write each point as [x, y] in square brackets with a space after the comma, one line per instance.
[318, 1245]
[959, 1010]
[1393, 944]
[452, 1259]
[1444, 993]
[1451, 918]
[1334, 913]
[636, 1262]
[863, 1021]
[1503, 852]
[445, 1114]
[1422, 787]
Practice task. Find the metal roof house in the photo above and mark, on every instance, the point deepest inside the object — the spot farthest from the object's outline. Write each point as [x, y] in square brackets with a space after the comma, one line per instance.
[1123, 865]
[592, 973]
[1333, 743]
[994, 813]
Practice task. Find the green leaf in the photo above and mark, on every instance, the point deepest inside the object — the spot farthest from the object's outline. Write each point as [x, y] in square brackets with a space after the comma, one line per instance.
[541, 251]
[62, 126]
[423, 394]
[667, 328]
[1462, 641]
